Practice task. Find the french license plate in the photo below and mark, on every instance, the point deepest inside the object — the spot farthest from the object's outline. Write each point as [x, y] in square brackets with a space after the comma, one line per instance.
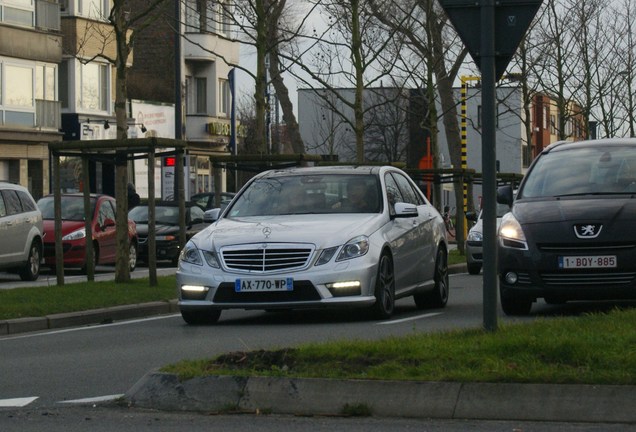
[260, 285]
[587, 262]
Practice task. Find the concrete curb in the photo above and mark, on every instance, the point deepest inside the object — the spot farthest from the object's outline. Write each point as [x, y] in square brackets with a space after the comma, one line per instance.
[448, 400]
[94, 316]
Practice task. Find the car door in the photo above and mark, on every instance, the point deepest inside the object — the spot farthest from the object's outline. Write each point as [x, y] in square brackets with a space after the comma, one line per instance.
[420, 235]
[104, 231]
[402, 236]
[7, 232]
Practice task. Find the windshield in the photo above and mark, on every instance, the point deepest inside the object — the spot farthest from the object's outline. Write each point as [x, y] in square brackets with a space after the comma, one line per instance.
[582, 171]
[502, 209]
[72, 207]
[164, 215]
[309, 194]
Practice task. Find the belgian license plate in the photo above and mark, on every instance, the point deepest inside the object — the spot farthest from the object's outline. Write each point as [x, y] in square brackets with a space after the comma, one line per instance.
[587, 262]
[260, 285]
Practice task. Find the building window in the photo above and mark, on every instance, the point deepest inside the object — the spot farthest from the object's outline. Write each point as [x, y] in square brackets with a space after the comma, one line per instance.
[20, 91]
[546, 115]
[95, 9]
[196, 95]
[94, 88]
[224, 92]
[20, 12]
[553, 128]
[225, 16]
[45, 82]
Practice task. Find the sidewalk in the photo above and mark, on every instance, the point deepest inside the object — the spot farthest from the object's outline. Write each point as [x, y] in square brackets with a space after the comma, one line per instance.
[413, 399]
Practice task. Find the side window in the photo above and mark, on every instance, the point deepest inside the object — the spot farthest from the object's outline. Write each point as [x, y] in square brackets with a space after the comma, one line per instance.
[28, 205]
[196, 213]
[106, 211]
[392, 193]
[408, 194]
[12, 202]
[202, 201]
[3, 209]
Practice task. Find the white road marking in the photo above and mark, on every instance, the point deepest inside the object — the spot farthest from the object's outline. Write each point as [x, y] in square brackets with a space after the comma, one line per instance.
[88, 327]
[428, 315]
[17, 402]
[93, 399]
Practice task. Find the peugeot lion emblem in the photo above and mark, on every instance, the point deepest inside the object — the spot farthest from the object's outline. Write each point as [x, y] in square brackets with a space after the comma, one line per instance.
[587, 231]
[267, 231]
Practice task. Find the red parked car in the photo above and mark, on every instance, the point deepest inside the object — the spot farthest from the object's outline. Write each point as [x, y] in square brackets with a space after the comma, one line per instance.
[103, 208]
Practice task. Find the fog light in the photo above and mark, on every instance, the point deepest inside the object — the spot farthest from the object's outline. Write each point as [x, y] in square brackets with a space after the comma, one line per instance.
[194, 292]
[511, 278]
[343, 289]
[194, 288]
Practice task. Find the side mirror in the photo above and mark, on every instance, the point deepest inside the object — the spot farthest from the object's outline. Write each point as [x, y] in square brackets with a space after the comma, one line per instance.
[471, 216]
[504, 195]
[405, 210]
[108, 222]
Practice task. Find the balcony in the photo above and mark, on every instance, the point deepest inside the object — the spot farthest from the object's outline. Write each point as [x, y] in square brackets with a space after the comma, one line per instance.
[47, 114]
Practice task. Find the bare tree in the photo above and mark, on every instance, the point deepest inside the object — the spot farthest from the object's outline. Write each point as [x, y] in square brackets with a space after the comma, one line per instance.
[114, 44]
[345, 57]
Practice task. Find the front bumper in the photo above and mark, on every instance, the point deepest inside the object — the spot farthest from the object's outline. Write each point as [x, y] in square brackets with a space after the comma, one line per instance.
[312, 288]
[538, 275]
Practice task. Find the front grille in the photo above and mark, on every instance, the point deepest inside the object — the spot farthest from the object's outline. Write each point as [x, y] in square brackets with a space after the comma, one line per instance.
[622, 278]
[598, 247]
[265, 258]
[303, 291]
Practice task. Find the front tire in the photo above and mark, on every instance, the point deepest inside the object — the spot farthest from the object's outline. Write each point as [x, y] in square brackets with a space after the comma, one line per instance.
[384, 289]
[31, 270]
[201, 317]
[474, 269]
[515, 306]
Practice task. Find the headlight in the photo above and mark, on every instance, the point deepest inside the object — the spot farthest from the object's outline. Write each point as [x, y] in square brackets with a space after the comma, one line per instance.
[475, 236]
[354, 248]
[326, 256]
[190, 254]
[511, 234]
[75, 235]
[211, 259]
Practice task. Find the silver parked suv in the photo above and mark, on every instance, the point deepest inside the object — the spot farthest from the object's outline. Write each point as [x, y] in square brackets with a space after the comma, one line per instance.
[20, 232]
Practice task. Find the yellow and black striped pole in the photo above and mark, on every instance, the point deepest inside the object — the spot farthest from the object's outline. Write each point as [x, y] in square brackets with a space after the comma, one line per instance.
[464, 141]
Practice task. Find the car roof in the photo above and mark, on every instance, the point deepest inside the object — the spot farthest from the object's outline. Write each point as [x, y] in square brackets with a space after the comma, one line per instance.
[11, 185]
[323, 170]
[168, 204]
[594, 143]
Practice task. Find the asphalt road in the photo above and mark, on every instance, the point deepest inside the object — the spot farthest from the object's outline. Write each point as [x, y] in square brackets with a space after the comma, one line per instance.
[66, 375]
[103, 360]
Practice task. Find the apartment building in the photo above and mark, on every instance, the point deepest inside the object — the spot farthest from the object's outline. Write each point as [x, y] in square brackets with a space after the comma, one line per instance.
[30, 56]
[192, 72]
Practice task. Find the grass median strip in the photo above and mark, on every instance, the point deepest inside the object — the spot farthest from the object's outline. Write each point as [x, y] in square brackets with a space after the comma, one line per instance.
[590, 349]
[42, 301]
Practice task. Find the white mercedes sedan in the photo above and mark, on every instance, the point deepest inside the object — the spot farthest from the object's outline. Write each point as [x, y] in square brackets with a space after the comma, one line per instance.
[318, 237]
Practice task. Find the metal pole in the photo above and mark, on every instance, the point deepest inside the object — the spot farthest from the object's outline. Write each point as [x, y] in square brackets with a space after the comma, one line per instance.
[489, 158]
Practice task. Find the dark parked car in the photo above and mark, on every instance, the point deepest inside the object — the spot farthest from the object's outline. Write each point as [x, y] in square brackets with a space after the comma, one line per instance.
[473, 245]
[570, 234]
[166, 228]
[205, 200]
[103, 210]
